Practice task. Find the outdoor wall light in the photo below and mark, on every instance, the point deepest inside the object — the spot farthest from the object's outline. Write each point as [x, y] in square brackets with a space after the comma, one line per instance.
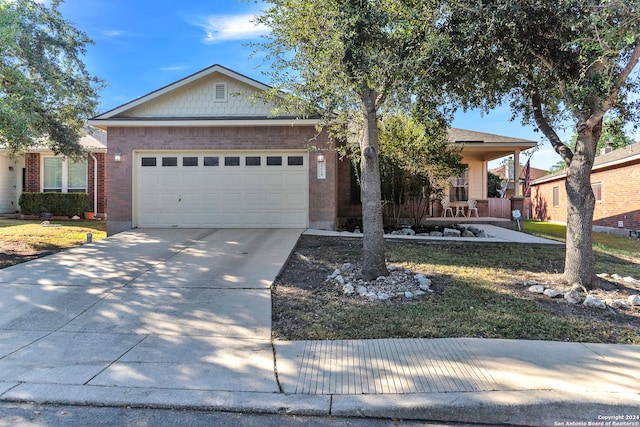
[117, 156]
[322, 166]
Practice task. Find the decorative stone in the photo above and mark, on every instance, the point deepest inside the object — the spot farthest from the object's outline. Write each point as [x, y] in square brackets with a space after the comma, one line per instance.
[634, 299]
[391, 268]
[531, 283]
[474, 230]
[408, 232]
[383, 296]
[346, 267]
[629, 279]
[436, 234]
[616, 303]
[590, 301]
[348, 289]
[335, 273]
[408, 294]
[451, 232]
[339, 280]
[482, 234]
[536, 289]
[573, 297]
[423, 282]
[468, 233]
[419, 293]
[361, 290]
[371, 295]
[551, 293]
[603, 276]
[616, 277]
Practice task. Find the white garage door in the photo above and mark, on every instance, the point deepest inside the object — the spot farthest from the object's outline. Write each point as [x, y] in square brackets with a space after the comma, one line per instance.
[221, 189]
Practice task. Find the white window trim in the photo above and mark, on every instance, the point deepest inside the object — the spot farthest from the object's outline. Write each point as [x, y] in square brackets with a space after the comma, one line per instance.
[65, 174]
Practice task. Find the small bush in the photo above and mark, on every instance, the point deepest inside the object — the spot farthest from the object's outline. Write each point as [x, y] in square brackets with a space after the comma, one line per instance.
[59, 204]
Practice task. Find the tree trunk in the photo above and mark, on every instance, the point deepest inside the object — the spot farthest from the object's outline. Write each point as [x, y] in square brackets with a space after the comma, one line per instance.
[579, 262]
[373, 263]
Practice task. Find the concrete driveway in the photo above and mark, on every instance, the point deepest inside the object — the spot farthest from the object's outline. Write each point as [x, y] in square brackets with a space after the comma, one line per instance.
[155, 309]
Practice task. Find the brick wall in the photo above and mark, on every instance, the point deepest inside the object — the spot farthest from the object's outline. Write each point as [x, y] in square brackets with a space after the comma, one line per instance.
[322, 203]
[32, 166]
[620, 193]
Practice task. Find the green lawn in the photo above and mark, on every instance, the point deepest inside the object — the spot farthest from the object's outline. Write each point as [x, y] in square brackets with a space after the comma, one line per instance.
[40, 238]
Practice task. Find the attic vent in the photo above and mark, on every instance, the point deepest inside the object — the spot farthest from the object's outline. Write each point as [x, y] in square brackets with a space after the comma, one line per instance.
[220, 92]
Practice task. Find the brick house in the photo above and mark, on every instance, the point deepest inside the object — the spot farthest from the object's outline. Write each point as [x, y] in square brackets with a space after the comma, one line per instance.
[207, 151]
[615, 180]
[41, 170]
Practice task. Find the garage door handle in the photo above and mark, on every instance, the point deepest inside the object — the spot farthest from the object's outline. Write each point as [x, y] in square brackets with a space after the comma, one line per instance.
[179, 198]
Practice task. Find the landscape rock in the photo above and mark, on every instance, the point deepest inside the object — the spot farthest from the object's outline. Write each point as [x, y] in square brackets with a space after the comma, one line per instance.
[371, 295]
[590, 301]
[634, 299]
[339, 280]
[408, 232]
[468, 233]
[346, 267]
[423, 282]
[362, 290]
[573, 297]
[408, 294]
[474, 230]
[536, 289]
[482, 234]
[335, 273]
[419, 293]
[552, 293]
[436, 234]
[603, 276]
[616, 277]
[451, 232]
[629, 279]
[383, 296]
[348, 289]
[616, 303]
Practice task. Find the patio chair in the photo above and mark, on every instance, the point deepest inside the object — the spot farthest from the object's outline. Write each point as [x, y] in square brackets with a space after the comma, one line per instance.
[472, 207]
[445, 208]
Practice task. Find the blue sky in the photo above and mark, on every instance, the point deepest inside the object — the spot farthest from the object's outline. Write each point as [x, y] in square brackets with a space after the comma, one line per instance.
[142, 45]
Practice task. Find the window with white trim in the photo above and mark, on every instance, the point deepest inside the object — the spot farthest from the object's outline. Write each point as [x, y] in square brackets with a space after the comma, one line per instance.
[63, 175]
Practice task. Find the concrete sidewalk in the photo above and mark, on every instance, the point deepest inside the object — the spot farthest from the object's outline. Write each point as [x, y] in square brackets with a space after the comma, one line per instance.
[181, 319]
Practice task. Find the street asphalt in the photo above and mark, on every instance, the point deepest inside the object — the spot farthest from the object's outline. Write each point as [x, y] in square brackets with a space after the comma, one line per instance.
[181, 318]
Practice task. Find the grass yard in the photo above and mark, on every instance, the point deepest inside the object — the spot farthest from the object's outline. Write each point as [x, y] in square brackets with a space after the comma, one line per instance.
[23, 240]
[479, 291]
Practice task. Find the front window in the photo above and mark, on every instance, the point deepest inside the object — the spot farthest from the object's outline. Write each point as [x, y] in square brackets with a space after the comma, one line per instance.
[62, 175]
[459, 187]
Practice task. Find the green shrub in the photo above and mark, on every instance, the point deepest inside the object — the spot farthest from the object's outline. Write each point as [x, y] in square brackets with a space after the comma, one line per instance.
[59, 204]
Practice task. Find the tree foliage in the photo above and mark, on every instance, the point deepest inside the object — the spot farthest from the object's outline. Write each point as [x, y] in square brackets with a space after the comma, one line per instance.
[553, 60]
[353, 59]
[415, 161]
[46, 93]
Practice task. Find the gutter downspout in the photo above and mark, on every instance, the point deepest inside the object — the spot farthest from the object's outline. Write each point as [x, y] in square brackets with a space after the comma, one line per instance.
[95, 183]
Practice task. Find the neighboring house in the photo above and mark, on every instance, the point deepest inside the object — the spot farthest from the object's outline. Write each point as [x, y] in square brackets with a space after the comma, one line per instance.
[505, 173]
[207, 151]
[615, 180]
[40, 170]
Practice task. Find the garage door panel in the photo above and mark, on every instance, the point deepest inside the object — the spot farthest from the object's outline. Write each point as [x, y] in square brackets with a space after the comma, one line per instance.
[221, 196]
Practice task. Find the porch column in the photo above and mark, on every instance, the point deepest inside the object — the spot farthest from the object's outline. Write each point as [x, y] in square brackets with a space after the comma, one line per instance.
[516, 174]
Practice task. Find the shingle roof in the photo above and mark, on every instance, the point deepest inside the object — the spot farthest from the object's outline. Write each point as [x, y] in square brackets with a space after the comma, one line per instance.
[462, 135]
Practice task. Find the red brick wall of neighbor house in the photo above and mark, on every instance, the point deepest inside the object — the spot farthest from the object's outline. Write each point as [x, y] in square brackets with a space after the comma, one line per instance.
[620, 188]
[32, 166]
[322, 203]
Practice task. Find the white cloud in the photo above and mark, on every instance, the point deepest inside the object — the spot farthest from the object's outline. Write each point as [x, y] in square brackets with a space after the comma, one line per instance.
[113, 33]
[231, 27]
[173, 68]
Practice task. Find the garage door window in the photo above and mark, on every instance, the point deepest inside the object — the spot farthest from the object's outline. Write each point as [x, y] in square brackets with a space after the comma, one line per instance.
[295, 161]
[274, 160]
[169, 161]
[64, 175]
[189, 161]
[232, 161]
[252, 161]
[148, 161]
[212, 161]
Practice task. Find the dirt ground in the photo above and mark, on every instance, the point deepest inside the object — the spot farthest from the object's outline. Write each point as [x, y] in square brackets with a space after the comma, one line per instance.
[304, 278]
[12, 253]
